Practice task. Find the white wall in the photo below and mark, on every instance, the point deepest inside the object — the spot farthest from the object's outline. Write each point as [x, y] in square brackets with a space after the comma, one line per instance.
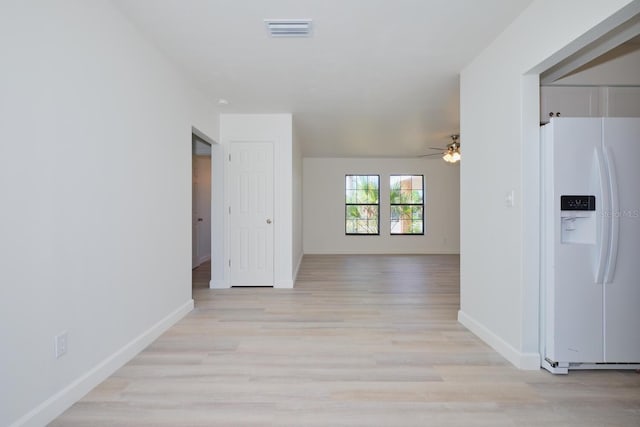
[500, 114]
[95, 177]
[324, 205]
[276, 128]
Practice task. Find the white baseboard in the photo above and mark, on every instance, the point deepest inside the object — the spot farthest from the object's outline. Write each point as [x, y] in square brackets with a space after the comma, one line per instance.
[525, 361]
[285, 284]
[218, 284]
[297, 269]
[51, 408]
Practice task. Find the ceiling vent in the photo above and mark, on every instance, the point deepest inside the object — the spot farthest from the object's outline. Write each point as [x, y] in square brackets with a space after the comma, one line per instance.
[289, 27]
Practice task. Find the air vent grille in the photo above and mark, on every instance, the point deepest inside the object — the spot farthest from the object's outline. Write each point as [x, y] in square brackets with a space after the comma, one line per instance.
[289, 27]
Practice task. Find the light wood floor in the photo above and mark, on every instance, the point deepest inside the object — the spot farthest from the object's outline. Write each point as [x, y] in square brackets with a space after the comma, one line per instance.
[360, 341]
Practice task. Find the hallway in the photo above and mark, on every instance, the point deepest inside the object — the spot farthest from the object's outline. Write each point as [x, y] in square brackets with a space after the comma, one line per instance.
[360, 341]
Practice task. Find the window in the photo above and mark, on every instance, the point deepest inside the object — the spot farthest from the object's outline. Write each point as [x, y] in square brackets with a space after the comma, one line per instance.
[362, 204]
[406, 197]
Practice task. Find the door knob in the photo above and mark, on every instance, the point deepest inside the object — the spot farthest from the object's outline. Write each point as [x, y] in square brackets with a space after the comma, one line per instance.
[200, 219]
[268, 221]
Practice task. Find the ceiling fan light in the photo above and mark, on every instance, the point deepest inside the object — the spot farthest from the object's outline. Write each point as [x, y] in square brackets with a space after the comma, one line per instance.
[452, 153]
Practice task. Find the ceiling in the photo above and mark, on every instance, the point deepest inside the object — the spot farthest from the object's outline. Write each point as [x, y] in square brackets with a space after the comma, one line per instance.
[377, 78]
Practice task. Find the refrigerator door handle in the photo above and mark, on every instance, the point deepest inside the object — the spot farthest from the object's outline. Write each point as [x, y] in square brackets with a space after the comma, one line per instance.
[602, 218]
[615, 216]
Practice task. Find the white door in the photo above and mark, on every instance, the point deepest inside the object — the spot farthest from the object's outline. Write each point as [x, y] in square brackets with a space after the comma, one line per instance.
[622, 286]
[251, 214]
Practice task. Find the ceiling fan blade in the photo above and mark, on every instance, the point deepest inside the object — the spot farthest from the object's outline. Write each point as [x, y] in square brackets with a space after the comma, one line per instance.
[432, 155]
[437, 148]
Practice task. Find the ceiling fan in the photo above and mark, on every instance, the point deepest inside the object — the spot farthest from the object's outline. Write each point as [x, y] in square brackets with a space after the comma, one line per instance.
[451, 153]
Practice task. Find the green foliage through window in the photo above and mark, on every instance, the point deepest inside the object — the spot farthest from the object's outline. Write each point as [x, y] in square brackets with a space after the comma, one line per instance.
[362, 204]
[406, 196]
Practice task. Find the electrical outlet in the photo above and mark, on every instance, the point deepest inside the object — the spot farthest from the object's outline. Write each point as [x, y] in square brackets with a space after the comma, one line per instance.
[60, 345]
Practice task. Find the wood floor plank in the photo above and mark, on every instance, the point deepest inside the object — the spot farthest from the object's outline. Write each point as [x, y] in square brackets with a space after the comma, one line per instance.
[361, 340]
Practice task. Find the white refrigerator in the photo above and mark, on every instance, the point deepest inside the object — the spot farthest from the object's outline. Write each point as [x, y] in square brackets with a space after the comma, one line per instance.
[590, 244]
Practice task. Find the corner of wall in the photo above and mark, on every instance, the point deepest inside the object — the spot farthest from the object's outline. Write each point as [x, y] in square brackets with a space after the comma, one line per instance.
[63, 399]
[296, 269]
[521, 360]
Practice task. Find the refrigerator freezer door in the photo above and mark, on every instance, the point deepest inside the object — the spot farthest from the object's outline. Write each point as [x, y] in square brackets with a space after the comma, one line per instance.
[574, 298]
[622, 295]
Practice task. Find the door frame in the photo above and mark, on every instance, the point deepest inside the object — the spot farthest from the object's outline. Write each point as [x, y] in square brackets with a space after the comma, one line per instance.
[278, 129]
[196, 234]
[598, 37]
[217, 209]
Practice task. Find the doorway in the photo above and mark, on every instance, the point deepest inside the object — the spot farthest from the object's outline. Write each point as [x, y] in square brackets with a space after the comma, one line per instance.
[201, 202]
[208, 235]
